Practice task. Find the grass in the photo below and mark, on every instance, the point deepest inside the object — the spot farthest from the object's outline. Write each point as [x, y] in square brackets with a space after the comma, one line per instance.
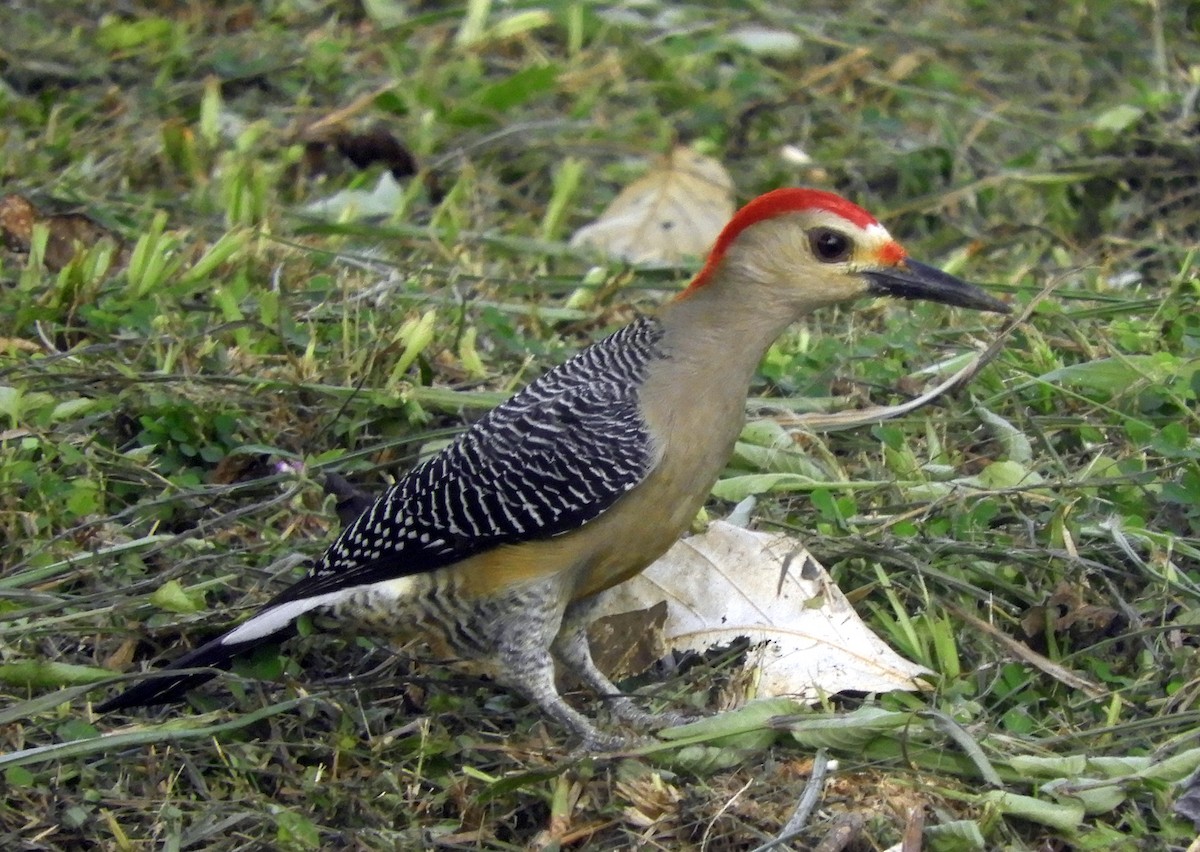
[172, 395]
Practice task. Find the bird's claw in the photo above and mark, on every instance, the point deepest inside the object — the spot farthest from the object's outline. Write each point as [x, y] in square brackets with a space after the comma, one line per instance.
[628, 712]
[597, 743]
[676, 718]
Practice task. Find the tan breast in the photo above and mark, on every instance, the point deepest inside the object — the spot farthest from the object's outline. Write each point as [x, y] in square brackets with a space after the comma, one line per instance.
[701, 425]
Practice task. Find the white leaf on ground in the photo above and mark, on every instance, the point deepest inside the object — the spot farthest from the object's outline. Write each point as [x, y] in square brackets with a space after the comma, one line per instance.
[729, 583]
[675, 211]
[767, 41]
[356, 204]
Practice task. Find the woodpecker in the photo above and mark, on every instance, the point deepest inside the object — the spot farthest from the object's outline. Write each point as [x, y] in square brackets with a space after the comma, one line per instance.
[496, 548]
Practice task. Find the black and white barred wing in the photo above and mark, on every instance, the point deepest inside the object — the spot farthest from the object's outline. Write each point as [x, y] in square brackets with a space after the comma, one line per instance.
[552, 458]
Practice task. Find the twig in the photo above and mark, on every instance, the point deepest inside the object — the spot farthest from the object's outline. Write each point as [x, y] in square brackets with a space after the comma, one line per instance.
[913, 830]
[811, 795]
[809, 798]
[844, 832]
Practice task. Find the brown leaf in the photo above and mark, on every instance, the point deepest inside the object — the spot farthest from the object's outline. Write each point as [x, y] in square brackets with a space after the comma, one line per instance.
[1068, 611]
[675, 211]
[120, 659]
[69, 232]
[18, 344]
[17, 215]
[629, 643]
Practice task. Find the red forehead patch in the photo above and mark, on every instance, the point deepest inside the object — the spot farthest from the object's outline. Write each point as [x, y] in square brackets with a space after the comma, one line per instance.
[790, 200]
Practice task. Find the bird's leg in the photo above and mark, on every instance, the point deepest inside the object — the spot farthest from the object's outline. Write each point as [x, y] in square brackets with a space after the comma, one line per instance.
[521, 649]
[572, 649]
[530, 671]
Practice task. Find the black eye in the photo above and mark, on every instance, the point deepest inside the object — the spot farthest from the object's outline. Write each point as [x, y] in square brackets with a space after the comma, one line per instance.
[830, 246]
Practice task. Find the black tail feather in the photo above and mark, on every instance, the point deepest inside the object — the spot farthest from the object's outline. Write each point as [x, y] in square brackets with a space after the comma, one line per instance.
[161, 687]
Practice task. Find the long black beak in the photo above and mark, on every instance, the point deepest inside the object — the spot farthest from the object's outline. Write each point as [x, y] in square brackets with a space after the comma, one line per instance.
[912, 280]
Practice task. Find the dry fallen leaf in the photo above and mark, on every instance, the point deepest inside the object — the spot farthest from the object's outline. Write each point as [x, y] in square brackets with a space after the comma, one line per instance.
[18, 344]
[1068, 611]
[69, 232]
[729, 583]
[675, 211]
[17, 216]
[358, 204]
[629, 643]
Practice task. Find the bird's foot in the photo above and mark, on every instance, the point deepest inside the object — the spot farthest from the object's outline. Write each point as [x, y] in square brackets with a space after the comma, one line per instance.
[627, 711]
[675, 718]
[597, 743]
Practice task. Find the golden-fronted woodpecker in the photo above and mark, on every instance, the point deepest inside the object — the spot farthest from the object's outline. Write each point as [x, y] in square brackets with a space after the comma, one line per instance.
[496, 548]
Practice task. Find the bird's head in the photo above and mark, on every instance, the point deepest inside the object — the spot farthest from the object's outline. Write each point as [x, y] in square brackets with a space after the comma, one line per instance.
[806, 248]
